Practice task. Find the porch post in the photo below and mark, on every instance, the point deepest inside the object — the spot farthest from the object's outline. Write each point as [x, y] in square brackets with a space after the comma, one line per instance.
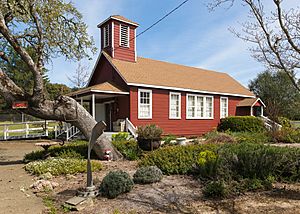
[262, 111]
[251, 111]
[93, 107]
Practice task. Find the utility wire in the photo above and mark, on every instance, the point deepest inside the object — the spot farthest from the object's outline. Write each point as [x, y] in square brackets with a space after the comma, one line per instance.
[158, 21]
[165, 16]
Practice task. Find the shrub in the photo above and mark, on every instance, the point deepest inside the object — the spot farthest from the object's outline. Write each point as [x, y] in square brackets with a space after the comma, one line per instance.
[252, 137]
[218, 137]
[286, 135]
[116, 183]
[76, 149]
[215, 189]
[121, 136]
[175, 159]
[60, 166]
[147, 175]
[129, 149]
[149, 132]
[285, 122]
[207, 164]
[241, 124]
[167, 139]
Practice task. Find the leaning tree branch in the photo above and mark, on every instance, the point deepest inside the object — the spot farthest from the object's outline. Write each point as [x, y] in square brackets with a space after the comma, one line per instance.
[38, 90]
[4, 57]
[259, 18]
[286, 32]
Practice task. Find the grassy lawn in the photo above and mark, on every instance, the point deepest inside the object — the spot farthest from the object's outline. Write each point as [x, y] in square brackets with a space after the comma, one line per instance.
[23, 126]
[296, 124]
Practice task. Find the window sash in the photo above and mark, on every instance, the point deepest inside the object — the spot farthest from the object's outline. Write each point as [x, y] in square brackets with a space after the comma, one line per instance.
[144, 104]
[199, 107]
[175, 106]
[223, 107]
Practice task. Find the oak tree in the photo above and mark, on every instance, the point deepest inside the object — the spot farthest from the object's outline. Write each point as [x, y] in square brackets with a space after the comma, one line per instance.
[52, 28]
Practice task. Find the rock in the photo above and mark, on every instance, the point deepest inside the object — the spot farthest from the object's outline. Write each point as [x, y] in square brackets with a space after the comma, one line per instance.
[43, 185]
[69, 177]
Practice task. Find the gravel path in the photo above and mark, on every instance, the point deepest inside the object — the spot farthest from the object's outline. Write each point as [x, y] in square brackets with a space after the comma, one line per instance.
[15, 196]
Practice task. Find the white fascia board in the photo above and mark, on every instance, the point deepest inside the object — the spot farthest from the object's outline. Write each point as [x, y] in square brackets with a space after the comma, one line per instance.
[188, 90]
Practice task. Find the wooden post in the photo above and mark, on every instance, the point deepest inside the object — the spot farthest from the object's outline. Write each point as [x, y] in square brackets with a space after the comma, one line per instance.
[93, 107]
[81, 101]
[26, 129]
[55, 131]
[5, 132]
[46, 128]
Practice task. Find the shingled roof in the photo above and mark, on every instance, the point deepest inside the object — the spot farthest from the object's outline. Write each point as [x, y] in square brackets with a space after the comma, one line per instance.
[149, 72]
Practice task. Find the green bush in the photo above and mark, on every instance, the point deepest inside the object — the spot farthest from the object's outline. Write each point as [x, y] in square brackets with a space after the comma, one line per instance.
[167, 139]
[149, 132]
[285, 122]
[286, 135]
[252, 137]
[215, 189]
[129, 149]
[175, 159]
[76, 149]
[241, 124]
[121, 136]
[147, 175]
[207, 165]
[60, 166]
[116, 183]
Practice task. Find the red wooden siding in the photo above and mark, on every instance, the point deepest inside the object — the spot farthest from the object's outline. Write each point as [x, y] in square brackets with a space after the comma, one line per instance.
[124, 53]
[122, 107]
[105, 72]
[183, 126]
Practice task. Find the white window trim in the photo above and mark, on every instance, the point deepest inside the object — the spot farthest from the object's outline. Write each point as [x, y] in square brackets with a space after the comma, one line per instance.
[104, 36]
[170, 96]
[204, 107]
[221, 107]
[128, 37]
[139, 103]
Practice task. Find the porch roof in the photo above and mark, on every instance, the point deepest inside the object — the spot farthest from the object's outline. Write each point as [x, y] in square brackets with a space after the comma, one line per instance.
[104, 88]
[250, 102]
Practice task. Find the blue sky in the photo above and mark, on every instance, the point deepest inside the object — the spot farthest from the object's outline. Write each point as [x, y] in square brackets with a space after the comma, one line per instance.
[191, 36]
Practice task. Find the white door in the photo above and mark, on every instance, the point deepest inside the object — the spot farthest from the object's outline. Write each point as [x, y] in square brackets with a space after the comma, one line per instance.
[100, 112]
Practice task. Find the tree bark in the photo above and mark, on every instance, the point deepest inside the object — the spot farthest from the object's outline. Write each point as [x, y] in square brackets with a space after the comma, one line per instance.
[63, 109]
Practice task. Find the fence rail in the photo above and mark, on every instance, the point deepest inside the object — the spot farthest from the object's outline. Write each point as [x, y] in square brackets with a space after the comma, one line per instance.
[32, 129]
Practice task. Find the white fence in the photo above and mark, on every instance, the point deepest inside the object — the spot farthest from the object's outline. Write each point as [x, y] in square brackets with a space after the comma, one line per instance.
[25, 130]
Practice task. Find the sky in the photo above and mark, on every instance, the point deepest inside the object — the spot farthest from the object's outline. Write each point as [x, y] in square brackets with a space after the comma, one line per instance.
[191, 36]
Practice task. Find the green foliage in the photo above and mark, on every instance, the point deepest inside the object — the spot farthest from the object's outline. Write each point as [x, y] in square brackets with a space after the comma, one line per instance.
[286, 135]
[207, 164]
[175, 159]
[76, 149]
[60, 166]
[55, 90]
[252, 137]
[129, 149]
[149, 132]
[147, 175]
[215, 189]
[116, 183]
[285, 122]
[121, 136]
[241, 124]
[168, 138]
[278, 93]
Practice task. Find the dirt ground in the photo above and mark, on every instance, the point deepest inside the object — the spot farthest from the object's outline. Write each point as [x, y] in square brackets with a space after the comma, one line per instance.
[174, 194]
[14, 181]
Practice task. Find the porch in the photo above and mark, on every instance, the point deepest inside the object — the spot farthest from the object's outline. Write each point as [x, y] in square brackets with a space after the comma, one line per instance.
[251, 107]
[105, 102]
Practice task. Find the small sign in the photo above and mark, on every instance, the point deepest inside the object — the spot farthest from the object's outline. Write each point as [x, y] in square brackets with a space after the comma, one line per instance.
[20, 105]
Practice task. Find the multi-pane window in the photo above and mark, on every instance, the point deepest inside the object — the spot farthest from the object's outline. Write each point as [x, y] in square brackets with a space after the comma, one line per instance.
[175, 106]
[223, 107]
[199, 107]
[106, 36]
[124, 36]
[145, 104]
